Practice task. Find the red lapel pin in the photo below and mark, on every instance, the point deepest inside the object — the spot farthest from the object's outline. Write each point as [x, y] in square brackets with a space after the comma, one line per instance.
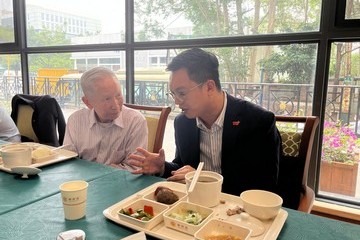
[235, 123]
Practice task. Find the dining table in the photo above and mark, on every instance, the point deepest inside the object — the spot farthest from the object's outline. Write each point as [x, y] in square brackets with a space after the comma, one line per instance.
[38, 214]
[16, 192]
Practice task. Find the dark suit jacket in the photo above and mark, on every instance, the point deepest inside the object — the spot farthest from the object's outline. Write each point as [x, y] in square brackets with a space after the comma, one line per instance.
[48, 121]
[250, 149]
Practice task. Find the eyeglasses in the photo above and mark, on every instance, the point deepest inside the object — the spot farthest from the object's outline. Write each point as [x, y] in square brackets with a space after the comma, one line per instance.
[181, 95]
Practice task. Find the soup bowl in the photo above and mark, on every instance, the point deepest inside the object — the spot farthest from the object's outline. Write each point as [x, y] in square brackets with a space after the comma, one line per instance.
[207, 189]
[16, 155]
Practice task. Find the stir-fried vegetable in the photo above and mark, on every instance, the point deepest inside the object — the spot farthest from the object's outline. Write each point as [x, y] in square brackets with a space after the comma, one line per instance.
[142, 214]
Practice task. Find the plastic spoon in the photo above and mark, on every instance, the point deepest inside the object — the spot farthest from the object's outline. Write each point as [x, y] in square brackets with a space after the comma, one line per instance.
[196, 177]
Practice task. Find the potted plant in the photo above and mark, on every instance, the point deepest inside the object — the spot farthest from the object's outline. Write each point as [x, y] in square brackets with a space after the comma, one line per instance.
[340, 158]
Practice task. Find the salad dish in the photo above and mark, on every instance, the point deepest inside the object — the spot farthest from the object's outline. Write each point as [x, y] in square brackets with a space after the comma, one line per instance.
[143, 213]
[186, 221]
[187, 217]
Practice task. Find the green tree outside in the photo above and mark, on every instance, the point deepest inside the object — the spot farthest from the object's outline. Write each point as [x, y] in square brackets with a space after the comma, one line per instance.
[49, 60]
[242, 17]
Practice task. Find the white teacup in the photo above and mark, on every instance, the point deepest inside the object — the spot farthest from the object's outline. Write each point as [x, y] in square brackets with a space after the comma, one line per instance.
[74, 195]
[16, 155]
[207, 190]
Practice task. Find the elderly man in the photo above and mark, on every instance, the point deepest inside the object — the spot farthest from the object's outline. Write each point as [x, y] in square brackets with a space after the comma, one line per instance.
[106, 131]
[231, 136]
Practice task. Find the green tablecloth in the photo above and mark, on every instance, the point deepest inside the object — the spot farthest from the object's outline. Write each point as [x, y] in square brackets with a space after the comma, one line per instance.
[17, 192]
[301, 226]
[44, 219]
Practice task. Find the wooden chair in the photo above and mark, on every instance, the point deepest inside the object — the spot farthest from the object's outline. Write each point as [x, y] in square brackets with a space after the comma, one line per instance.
[156, 117]
[297, 135]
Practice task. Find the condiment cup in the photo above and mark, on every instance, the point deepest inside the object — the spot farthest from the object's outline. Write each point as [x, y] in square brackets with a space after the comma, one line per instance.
[207, 189]
[74, 195]
[16, 155]
[261, 204]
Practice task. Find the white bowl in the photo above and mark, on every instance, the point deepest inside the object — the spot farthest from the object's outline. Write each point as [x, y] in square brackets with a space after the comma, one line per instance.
[215, 227]
[207, 190]
[261, 204]
[182, 226]
[158, 208]
[15, 155]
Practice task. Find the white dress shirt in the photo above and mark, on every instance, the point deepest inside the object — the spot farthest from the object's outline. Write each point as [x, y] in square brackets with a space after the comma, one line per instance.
[8, 129]
[107, 143]
[211, 141]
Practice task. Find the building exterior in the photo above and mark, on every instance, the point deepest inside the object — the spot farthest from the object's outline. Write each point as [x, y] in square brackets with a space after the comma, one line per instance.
[41, 18]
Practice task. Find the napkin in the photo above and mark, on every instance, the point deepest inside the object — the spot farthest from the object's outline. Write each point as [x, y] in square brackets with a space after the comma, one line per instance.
[75, 234]
[136, 236]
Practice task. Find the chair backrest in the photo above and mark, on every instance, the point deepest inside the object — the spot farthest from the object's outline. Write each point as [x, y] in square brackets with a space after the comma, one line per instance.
[38, 118]
[156, 117]
[24, 123]
[297, 134]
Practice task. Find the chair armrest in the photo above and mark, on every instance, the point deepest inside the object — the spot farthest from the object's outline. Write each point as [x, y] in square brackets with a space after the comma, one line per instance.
[307, 200]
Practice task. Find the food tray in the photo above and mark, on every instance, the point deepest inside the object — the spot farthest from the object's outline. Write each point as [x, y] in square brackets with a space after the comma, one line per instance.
[61, 155]
[271, 231]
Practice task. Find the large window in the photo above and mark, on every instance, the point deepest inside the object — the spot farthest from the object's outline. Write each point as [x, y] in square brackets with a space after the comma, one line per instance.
[7, 34]
[10, 79]
[188, 19]
[279, 78]
[340, 155]
[53, 23]
[291, 57]
[58, 74]
[352, 10]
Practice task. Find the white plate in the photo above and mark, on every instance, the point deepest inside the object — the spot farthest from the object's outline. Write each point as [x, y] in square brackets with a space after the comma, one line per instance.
[272, 227]
[62, 155]
[25, 171]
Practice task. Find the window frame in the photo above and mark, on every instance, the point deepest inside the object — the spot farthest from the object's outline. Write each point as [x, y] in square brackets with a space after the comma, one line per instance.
[340, 20]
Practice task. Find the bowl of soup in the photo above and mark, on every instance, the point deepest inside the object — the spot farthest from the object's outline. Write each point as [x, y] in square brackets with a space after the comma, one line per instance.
[207, 189]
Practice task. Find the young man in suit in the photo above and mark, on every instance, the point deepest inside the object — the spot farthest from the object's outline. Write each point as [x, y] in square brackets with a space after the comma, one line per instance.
[233, 137]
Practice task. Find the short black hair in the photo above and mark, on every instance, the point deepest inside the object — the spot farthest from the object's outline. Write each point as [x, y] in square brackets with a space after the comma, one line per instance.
[199, 64]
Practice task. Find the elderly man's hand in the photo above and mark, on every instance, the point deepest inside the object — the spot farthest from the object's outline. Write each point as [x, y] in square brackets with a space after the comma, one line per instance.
[147, 162]
[179, 175]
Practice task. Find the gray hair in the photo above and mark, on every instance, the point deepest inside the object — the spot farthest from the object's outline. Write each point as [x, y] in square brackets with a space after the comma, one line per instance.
[89, 77]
